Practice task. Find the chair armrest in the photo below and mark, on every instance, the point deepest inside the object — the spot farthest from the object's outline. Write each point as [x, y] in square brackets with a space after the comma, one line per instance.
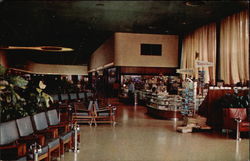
[12, 146]
[103, 110]
[82, 110]
[40, 139]
[65, 126]
[65, 122]
[21, 148]
[52, 131]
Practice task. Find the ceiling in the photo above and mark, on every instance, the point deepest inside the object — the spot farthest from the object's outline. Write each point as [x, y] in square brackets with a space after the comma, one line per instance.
[85, 25]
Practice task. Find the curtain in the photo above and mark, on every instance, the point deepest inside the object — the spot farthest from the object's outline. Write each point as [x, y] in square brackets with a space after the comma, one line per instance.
[202, 41]
[234, 48]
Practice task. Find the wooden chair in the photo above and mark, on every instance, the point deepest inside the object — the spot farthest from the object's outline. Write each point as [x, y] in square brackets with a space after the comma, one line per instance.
[27, 136]
[104, 114]
[51, 134]
[64, 129]
[10, 148]
[83, 115]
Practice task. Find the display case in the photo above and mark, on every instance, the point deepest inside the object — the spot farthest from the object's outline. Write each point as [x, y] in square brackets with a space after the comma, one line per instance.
[164, 106]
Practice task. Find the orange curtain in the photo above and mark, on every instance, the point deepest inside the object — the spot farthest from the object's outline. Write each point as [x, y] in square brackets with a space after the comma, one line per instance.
[202, 41]
[234, 48]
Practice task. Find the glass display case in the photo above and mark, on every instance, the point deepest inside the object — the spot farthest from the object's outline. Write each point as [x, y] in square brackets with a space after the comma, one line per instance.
[164, 106]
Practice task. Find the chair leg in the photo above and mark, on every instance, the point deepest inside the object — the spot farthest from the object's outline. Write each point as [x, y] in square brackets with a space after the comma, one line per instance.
[61, 148]
[113, 119]
[94, 120]
[58, 154]
[49, 157]
[70, 144]
[78, 137]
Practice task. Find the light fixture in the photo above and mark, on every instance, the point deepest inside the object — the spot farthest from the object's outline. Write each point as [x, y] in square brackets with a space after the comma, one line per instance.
[40, 48]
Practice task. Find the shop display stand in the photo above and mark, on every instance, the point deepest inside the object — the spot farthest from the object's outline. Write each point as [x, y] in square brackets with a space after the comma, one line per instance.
[189, 98]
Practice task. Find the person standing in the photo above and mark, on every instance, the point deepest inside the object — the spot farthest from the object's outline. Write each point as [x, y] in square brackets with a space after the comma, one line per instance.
[131, 90]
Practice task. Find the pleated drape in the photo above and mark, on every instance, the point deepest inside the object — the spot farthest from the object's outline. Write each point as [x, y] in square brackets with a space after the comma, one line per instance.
[234, 48]
[202, 41]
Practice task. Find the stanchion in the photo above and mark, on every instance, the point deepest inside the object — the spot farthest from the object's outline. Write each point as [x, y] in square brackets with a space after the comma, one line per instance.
[76, 128]
[238, 129]
[135, 98]
[36, 149]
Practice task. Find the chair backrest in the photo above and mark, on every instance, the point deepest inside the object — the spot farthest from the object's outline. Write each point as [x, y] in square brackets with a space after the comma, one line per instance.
[40, 121]
[24, 125]
[52, 117]
[8, 132]
[90, 105]
[81, 95]
[64, 97]
[55, 97]
[73, 96]
[90, 94]
[96, 105]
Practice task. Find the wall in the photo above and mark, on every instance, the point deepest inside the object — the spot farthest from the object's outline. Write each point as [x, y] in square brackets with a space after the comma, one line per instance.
[19, 62]
[3, 60]
[127, 50]
[56, 69]
[103, 55]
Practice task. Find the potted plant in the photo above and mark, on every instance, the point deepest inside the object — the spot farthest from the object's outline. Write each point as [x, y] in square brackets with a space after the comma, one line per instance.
[11, 102]
[19, 97]
[36, 99]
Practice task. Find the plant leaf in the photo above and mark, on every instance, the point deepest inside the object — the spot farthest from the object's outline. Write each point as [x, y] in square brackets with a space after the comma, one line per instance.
[19, 81]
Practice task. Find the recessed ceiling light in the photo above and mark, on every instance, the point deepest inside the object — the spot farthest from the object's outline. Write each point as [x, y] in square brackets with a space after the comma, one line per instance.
[194, 3]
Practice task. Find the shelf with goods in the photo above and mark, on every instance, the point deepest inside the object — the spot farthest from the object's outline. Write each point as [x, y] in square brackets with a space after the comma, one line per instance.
[188, 101]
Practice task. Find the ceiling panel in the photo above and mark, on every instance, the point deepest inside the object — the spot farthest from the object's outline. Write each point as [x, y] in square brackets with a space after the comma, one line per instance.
[84, 25]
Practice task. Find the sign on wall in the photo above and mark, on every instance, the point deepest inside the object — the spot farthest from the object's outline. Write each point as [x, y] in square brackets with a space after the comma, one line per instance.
[200, 63]
[185, 71]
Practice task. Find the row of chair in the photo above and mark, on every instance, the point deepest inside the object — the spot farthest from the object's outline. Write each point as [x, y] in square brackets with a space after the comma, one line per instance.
[72, 96]
[37, 137]
[94, 114]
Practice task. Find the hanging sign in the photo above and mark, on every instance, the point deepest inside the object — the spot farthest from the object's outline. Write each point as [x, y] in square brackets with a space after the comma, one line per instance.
[200, 63]
[185, 71]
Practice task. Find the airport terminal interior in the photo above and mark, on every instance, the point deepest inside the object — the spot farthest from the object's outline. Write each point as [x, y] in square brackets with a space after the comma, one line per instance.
[124, 80]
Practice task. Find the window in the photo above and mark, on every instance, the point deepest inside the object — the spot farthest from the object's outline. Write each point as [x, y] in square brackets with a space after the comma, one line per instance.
[151, 49]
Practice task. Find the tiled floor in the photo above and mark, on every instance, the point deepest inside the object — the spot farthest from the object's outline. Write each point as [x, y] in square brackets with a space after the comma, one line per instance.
[138, 137]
